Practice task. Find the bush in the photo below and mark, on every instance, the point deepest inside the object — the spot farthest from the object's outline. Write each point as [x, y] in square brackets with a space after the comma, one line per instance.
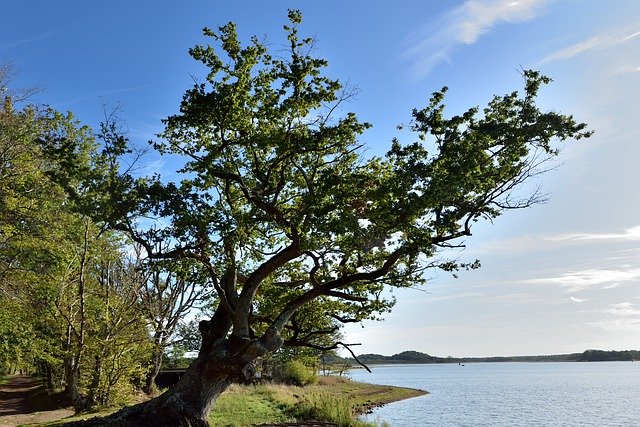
[297, 373]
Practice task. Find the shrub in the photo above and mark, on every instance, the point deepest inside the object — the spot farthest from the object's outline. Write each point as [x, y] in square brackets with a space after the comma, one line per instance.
[297, 373]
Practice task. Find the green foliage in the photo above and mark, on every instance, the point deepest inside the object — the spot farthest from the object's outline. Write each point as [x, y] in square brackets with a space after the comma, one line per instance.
[331, 402]
[67, 293]
[295, 372]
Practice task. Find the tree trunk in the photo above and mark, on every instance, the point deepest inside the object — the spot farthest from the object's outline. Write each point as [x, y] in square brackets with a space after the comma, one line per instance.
[189, 402]
[95, 383]
[71, 380]
[45, 372]
[156, 364]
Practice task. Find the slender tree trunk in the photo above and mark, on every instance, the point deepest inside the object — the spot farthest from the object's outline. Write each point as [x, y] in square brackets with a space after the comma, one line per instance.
[95, 383]
[156, 364]
[71, 379]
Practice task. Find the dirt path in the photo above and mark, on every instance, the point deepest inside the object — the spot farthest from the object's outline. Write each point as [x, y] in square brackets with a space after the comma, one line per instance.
[23, 400]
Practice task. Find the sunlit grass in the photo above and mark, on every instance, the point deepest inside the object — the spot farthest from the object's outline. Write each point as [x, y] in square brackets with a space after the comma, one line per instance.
[333, 399]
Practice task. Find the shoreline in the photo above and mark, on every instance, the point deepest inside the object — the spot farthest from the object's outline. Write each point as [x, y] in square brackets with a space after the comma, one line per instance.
[412, 392]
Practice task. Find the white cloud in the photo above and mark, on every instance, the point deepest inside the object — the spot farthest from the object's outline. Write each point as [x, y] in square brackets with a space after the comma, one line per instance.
[623, 309]
[464, 25]
[591, 278]
[599, 42]
[532, 243]
[434, 298]
[630, 234]
[574, 299]
[628, 69]
[624, 316]
[474, 18]
[155, 167]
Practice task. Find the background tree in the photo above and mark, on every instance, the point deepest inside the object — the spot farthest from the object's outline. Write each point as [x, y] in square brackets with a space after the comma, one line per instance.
[34, 230]
[120, 343]
[170, 290]
[66, 311]
[277, 200]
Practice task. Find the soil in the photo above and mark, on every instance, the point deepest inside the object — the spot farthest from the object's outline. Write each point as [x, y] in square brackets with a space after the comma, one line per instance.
[24, 400]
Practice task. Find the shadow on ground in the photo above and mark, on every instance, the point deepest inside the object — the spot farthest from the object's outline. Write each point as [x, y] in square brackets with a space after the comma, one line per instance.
[25, 395]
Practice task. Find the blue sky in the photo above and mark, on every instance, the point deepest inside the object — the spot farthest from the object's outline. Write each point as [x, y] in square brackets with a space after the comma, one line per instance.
[560, 277]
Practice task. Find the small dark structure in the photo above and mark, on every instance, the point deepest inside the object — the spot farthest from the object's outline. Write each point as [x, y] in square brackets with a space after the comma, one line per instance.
[168, 377]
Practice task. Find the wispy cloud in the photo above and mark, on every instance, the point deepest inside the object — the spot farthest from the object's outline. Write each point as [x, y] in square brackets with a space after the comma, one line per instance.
[464, 25]
[623, 309]
[20, 42]
[591, 278]
[574, 299]
[531, 243]
[96, 95]
[630, 234]
[434, 298]
[600, 42]
[624, 316]
[628, 69]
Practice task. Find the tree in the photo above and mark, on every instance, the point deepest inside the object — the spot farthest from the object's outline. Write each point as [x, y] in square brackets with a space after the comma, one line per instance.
[170, 290]
[65, 300]
[34, 228]
[283, 211]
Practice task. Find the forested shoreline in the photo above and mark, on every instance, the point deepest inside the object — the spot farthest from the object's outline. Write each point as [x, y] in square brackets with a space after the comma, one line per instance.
[415, 357]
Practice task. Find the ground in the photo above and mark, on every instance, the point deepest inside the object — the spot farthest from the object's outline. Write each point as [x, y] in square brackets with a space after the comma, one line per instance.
[23, 400]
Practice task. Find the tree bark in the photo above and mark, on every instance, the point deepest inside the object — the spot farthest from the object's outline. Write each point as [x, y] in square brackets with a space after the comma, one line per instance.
[156, 364]
[189, 402]
[71, 380]
[95, 383]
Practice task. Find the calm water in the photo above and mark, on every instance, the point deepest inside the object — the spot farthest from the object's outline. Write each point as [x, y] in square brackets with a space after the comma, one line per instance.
[511, 394]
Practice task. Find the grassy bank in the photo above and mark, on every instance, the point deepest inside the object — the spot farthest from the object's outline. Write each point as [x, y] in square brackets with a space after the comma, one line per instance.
[334, 399]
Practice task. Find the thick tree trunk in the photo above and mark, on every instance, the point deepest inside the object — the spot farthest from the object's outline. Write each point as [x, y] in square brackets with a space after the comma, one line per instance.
[188, 403]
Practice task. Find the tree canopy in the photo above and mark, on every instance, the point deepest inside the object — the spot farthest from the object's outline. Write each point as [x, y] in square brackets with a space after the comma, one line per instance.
[297, 229]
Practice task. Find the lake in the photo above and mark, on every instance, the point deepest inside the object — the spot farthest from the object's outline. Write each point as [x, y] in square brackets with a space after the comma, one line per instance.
[511, 394]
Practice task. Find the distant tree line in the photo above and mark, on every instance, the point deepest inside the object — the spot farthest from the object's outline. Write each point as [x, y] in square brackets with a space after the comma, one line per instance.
[408, 357]
[608, 356]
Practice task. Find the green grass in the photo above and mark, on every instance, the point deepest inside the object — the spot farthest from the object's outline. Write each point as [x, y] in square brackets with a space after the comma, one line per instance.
[333, 399]
[243, 406]
[325, 406]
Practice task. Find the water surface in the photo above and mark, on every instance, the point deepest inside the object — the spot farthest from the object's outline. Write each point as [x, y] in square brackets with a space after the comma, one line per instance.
[511, 394]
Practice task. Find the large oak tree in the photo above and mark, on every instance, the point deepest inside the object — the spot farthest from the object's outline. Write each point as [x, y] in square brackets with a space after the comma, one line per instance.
[288, 216]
